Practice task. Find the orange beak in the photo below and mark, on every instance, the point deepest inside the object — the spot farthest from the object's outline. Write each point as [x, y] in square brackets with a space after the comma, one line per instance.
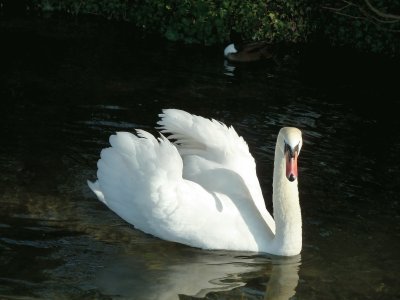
[291, 165]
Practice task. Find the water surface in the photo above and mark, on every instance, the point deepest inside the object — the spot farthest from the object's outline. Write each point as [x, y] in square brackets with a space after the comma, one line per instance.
[67, 84]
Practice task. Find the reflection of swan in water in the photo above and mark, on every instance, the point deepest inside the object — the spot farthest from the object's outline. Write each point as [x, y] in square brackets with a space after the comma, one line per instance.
[202, 190]
[198, 276]
[284, 278]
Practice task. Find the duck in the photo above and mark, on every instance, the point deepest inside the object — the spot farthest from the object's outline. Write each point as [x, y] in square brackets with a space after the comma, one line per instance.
[196, 184]
[248, 52]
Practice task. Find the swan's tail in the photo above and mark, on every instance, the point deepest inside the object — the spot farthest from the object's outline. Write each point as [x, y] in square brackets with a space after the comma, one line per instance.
[137, 177]
[94, 186]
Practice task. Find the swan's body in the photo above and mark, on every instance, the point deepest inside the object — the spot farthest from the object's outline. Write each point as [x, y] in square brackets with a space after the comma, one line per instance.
[248, 52]
[203, 189]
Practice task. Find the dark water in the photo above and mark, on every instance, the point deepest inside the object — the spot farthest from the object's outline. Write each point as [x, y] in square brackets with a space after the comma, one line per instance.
[67, 84]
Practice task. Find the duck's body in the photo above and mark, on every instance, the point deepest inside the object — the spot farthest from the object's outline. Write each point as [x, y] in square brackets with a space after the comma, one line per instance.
[249, 52]
[203, 189]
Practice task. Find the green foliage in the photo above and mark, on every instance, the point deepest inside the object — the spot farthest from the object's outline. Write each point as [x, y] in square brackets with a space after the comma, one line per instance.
[277, 20]
[208, 22]
[200, 21]
[189, 21]
[113, 9]
[372, 25]
[211, 21]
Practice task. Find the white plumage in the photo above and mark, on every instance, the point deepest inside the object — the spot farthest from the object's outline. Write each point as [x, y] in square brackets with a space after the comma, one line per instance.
[201, 189]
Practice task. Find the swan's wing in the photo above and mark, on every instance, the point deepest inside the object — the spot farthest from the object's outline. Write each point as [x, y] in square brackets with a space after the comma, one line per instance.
[140, 179]
[214, 142]
[207, 138]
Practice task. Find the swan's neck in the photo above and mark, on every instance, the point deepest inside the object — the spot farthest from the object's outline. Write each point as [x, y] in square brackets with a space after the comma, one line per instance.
[287, 214]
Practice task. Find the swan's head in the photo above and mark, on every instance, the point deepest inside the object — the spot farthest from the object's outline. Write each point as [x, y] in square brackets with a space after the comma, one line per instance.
[290, 142]
[230, 49]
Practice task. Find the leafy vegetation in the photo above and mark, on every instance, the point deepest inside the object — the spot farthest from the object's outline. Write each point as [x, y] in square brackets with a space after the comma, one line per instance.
[372, 27]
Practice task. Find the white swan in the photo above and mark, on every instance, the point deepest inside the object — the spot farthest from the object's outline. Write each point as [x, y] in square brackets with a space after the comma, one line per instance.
[202, 190]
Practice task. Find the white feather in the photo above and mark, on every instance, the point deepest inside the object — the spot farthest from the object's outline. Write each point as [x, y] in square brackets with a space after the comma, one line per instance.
[230, 49]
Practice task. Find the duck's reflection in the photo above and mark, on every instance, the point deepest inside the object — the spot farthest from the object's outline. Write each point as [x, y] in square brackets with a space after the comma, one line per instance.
[229, 68]
[199, 274]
